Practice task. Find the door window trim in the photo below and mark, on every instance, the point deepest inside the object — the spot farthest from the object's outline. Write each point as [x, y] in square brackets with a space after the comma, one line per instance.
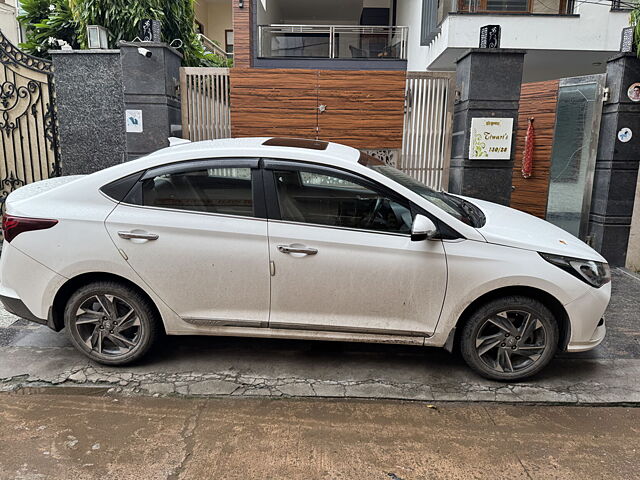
[192, 165]
[257, 187]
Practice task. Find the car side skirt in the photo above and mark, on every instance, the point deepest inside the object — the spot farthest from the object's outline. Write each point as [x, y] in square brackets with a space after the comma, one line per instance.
[262, 332]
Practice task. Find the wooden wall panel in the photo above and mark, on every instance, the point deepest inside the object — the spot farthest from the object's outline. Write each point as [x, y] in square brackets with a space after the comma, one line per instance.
[537, 100]
[278, 102]
[365, 109]
[242, 34]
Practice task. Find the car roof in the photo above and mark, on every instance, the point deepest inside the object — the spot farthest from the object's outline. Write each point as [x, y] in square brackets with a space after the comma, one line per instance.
[268, 147]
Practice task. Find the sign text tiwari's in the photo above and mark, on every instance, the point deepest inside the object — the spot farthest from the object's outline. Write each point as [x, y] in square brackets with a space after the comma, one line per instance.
[491, 138]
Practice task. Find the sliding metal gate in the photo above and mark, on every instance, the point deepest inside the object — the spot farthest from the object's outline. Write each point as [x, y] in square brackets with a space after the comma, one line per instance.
[28, 139]
[426, 142]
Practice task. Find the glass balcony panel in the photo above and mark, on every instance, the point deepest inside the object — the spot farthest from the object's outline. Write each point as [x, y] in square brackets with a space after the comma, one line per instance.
[371, 45]
[305, 45]
[333, 41]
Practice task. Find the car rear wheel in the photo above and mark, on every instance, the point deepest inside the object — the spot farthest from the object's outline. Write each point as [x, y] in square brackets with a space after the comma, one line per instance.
[510, 338]
[111, 323]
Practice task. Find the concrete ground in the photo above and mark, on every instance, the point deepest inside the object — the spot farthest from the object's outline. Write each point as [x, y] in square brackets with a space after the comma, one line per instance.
[32, 355]
[63, 436]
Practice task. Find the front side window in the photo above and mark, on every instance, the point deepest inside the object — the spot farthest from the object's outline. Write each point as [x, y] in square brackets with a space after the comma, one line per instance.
[457, 207]
[212, 190]
[325, 199]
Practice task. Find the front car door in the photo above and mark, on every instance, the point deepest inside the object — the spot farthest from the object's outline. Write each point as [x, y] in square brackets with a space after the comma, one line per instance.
[196, 233]
[343, 256]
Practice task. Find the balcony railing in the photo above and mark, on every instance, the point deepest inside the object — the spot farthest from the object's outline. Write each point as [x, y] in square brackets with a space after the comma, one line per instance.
[561, 7]
[211, 46]
[332, 41]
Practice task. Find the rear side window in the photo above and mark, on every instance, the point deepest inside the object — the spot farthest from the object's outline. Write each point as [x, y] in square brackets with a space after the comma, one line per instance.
[212, 190]
[118, 189]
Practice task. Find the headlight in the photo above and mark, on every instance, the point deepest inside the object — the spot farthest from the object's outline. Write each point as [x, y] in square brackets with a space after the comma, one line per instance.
[594, 273]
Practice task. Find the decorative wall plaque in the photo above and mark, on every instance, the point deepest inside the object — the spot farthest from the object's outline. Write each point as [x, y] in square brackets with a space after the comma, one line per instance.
[490, 36]
[625, 134]
[633, 92]
[626, 42]
[150, 30]
[133, 121]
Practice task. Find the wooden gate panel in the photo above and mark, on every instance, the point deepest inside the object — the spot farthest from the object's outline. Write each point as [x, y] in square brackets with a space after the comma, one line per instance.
[537, 100]
[364, 109]
[273, 102]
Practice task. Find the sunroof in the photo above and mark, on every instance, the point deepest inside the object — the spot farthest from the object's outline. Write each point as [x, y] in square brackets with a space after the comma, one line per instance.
[297, 143]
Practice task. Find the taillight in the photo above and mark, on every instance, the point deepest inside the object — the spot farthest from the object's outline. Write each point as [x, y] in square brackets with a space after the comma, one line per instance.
[14, 226]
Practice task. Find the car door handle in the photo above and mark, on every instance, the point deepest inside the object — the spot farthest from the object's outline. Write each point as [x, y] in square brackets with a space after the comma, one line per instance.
[296, 249]
[138, 235]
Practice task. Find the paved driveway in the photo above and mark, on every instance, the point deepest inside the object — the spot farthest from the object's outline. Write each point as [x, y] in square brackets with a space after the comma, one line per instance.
[32, 355]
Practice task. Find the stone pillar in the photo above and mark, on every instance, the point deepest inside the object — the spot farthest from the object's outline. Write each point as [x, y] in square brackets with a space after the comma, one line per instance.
[616, 172]
[151, 86]
[488, 83]
[94, 91]
[90, 109]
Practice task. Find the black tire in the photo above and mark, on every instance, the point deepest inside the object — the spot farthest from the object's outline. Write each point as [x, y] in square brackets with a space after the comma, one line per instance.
[123, 339]
[493, 321]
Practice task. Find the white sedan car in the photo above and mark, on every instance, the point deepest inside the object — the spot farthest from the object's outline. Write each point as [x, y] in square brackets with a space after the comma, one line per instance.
[272, 237]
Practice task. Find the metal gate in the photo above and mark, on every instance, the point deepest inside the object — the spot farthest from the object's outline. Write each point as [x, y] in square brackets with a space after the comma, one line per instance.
[426, 141]
[204, 93]
[574, 152]
[28, 139]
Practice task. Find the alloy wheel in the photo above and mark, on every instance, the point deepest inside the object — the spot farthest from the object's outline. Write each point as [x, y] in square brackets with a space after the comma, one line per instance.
[511, 341]
[108, 326]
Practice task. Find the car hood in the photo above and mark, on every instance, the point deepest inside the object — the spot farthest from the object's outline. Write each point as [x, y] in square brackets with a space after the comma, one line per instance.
[513, 228]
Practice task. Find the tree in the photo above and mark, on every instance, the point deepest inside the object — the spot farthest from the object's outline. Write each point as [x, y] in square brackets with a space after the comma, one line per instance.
[51, 22]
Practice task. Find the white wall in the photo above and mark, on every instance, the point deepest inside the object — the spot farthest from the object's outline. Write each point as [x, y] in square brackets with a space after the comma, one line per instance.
[8, 22]
[409, 14]
[596, 29]
[216, 16]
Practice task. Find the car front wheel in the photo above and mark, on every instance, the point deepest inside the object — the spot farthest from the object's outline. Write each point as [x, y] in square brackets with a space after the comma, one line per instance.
[510, 338]
[111, 323]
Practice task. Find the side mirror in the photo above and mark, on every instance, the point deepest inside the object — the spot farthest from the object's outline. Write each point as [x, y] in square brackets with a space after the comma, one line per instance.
[422, 229]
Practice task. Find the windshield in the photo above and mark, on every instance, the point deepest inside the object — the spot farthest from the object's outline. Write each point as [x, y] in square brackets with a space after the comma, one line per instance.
[459, 208]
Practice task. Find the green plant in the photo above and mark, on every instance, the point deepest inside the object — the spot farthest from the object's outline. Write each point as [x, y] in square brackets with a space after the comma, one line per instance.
[120, 17]
[47, 21]
[68, 21]
[634, 21]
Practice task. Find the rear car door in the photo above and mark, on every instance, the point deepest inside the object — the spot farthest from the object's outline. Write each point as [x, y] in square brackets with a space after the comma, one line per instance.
[196, 233]
[343, 256]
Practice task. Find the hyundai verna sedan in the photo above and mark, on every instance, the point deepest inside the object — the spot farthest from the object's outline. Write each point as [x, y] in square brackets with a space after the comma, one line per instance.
[271, 237]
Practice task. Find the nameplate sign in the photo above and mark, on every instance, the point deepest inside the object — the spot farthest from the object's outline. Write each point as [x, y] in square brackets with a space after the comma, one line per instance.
[491, 138]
